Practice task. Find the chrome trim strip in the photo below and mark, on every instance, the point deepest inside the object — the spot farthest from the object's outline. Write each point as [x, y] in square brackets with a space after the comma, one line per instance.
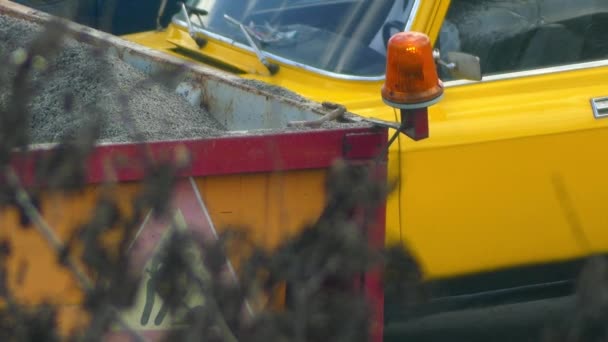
[281, 59]
[529, 73]
[600, 107]
[413, 13]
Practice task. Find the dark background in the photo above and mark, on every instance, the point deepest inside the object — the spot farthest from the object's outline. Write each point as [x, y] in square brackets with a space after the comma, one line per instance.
[115, 16]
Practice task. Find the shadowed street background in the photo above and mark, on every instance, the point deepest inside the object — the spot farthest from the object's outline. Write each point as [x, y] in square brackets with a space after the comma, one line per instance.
[115, 16]
[512, 322]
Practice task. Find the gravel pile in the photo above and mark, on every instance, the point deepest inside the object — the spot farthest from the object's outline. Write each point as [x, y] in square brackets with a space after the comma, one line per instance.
[81, 86]
[273, 89]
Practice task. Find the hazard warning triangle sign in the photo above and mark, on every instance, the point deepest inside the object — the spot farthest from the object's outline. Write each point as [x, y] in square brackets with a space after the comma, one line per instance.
[189, 212]
[149, 311]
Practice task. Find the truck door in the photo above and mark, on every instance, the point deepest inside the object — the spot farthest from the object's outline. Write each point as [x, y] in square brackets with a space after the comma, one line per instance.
[513, 173]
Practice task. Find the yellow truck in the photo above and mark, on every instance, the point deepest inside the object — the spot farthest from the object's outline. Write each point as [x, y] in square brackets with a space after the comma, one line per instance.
[504, 199]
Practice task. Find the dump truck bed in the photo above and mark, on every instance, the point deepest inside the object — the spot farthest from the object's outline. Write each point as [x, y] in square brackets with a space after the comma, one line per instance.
[253, 172]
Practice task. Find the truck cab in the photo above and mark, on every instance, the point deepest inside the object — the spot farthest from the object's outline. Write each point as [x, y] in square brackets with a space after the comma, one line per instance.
[506, 195]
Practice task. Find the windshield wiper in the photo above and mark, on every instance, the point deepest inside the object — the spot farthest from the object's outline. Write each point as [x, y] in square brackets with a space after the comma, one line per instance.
[249, 34]
[198, 12]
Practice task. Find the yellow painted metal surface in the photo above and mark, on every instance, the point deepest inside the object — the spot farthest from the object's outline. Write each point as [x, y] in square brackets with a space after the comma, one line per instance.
[34, 273]
[271, 206]
[429, 17]
[488, 187]
[310, 85]
[486, 190]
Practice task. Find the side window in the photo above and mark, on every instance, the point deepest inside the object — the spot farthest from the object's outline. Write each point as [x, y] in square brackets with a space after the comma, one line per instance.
[517, 35]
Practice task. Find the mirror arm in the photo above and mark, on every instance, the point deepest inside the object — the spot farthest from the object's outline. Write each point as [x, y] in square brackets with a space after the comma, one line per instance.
[450, 66]
[463, 65]
[438, 60]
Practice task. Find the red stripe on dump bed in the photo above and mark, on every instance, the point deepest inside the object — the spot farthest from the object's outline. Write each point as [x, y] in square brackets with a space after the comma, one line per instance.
[372, 280]
[224, 155]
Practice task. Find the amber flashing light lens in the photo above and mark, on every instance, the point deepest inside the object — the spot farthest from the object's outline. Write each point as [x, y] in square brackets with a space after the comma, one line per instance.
[411, 74]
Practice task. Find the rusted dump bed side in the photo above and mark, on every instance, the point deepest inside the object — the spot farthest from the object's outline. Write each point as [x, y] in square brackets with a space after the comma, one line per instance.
[268, 184]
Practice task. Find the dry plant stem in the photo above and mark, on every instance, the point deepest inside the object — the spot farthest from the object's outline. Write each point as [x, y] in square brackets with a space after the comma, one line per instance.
[337, 112]
[43, 228]
[228, 334]
[13, 307]
[303, 292]
[48, 233]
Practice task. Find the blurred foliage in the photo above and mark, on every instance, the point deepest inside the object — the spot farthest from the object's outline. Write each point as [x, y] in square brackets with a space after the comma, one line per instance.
[301, 291]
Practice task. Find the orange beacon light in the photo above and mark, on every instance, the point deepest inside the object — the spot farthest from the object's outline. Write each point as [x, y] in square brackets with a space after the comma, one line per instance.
[411, 82]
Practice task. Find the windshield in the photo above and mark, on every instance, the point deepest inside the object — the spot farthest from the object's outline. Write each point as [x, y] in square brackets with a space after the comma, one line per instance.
[346, 37]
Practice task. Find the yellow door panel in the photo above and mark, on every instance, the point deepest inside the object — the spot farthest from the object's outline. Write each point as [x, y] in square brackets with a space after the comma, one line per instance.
[511, 173]
[516, 107]
[484, 206]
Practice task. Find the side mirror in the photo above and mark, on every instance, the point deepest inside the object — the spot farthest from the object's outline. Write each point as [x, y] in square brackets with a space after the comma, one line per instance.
[461, 65]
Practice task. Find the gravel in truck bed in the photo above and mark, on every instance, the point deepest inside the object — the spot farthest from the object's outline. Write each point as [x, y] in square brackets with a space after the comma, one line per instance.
[81, 86]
